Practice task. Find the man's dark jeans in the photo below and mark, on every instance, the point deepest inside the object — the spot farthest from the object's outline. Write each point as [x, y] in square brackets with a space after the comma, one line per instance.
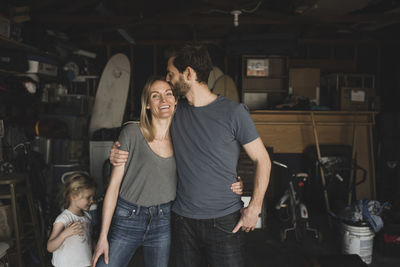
[197, 242]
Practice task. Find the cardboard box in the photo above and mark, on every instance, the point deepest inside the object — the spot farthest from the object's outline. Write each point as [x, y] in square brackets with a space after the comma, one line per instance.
[357, 98]
[305, 82]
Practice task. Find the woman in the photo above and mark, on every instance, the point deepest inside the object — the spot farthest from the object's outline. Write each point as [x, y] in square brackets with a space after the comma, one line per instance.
[137, 204]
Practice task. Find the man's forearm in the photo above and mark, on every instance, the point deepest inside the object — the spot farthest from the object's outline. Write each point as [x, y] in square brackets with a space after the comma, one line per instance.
[261, 182]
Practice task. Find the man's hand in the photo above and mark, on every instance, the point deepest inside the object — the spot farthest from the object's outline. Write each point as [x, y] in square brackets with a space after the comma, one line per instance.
[118, 157]
[248, 220]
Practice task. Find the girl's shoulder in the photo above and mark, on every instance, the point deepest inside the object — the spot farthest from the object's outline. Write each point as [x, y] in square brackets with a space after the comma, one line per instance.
[65, 217]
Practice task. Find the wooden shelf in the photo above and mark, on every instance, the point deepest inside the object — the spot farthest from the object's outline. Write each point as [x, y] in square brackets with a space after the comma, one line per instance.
[11, 44]
[14, 44]
[275, 77]
[9, 72]
[282, 91]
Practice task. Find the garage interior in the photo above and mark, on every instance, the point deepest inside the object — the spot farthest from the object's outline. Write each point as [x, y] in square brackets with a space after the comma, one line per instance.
[320, 78]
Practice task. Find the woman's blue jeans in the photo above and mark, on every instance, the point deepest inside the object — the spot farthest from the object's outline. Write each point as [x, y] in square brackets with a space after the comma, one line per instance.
[208, 242]
[133, 226]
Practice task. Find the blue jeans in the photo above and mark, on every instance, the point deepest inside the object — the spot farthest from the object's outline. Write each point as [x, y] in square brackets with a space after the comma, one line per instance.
[133, 226]
[198, 242]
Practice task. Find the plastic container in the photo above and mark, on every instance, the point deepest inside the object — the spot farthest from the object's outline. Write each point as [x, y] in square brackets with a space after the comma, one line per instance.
[358, 240]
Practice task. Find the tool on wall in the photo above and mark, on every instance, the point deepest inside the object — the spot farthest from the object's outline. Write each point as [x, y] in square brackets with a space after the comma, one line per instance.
[353, 160]
[323, 181]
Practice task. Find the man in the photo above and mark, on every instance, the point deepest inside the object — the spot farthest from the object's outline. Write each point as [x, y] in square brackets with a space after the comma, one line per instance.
[207, 131]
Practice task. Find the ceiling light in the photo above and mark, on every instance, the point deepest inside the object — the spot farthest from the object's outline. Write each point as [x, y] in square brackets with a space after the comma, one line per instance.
[236, 14]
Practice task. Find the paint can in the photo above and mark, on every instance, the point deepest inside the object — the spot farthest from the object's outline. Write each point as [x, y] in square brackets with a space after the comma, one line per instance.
[358, 240]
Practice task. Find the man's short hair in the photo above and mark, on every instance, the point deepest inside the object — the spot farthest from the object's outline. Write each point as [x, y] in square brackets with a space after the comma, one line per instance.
[194, 55]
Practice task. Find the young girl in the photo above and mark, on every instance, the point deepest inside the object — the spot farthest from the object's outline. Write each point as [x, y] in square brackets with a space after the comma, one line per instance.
[70, 240]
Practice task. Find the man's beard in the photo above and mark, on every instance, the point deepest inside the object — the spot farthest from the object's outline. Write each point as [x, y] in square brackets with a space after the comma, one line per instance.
[181, 87]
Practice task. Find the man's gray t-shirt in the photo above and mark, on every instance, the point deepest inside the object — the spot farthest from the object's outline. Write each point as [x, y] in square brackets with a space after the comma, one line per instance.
[207, 143]
[149, 179]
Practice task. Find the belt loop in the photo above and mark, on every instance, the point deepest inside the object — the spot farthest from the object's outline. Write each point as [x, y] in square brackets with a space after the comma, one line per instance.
[159, 210]
[137, 209]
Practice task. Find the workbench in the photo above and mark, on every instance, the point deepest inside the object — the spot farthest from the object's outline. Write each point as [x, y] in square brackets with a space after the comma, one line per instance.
[292, 131]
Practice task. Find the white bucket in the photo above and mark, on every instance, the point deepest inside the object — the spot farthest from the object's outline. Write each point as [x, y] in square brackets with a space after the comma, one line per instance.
[358, 240]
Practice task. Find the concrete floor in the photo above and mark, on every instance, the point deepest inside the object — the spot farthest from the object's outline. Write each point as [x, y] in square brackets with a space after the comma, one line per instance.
[264, 248]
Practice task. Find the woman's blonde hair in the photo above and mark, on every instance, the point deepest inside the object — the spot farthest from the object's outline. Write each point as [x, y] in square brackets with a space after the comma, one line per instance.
[74, 185]
[145, 114]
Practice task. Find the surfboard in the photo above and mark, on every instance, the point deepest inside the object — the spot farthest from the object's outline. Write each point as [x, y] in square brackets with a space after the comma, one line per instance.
[226, 86]
[112, 92]
[214, 76]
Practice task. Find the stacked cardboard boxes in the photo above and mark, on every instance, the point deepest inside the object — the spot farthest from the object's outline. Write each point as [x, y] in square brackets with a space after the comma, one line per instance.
[347, 91]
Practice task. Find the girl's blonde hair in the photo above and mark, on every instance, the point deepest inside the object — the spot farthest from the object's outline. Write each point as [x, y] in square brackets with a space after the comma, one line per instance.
[74, 185]
[145, 114]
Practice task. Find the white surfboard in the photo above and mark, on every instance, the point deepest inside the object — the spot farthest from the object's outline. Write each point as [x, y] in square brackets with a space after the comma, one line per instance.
[226, 86]
[214, 76]
[109, 104]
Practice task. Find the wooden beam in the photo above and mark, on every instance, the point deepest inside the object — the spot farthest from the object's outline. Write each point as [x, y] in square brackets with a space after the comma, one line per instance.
[211, 19]
[151, 42]
[37, 6]
[377, 42]
[79, 4]
[84, 20]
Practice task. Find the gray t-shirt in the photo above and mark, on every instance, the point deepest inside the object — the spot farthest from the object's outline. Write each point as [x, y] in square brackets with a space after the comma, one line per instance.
[149, 179]
[207, 143]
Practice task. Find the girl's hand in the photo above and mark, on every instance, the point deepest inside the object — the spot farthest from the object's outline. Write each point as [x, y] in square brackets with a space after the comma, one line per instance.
[237, 187]
[74, 228]
[101, 248]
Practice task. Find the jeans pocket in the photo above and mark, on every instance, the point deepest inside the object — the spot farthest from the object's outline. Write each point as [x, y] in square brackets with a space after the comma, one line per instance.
[165, 215]
[122, 212]
[227, 223]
